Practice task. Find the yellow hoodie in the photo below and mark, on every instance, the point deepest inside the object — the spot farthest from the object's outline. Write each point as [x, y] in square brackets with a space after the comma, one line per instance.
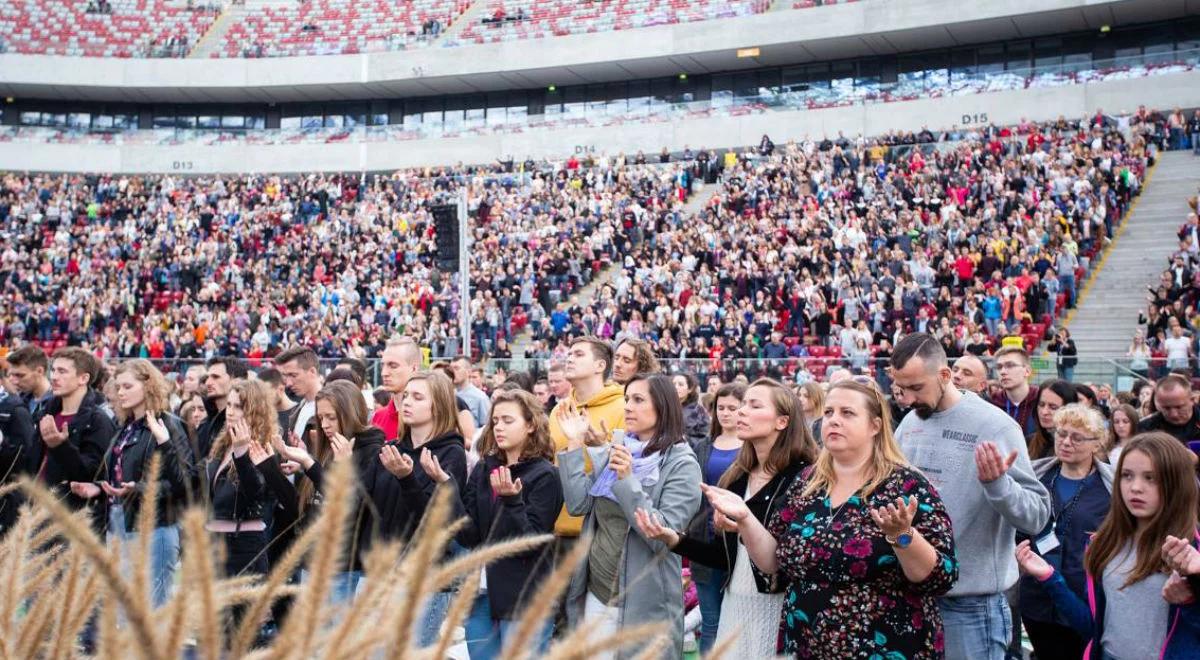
[607, 405]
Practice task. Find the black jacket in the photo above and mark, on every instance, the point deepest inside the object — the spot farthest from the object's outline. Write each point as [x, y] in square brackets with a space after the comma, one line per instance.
[207, 432]
[79, 458]
[174, 477]
[722, 552]
[402, 502]
[511, 580]
[289, 521]
[237, 493]
[16, 441]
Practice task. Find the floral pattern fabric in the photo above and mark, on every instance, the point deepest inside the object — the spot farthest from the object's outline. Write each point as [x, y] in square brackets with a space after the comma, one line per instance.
[848, 596]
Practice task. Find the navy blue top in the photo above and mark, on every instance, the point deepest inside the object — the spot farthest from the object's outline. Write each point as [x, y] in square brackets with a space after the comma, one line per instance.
[718, 462]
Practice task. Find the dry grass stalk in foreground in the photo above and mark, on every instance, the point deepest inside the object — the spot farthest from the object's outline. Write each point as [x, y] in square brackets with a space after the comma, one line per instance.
[59, 575]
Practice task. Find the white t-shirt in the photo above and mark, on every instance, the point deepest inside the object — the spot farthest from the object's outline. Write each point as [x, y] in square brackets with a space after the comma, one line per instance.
[1177, 348]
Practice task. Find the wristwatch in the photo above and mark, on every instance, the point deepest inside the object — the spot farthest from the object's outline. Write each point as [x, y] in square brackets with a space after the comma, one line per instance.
[903, 539]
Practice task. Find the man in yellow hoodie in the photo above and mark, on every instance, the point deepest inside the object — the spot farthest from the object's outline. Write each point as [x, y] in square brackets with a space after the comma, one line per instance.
[588, 369]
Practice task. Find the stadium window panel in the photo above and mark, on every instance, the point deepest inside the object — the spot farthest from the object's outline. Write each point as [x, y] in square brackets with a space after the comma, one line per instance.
[256, 121]
[1018, 55]
[81, 120]
[745, 85]
[31, 119]
[962, 62]
[841, 78]
[208, 121]
[990, 59]
[312, 121]
[1159, 53]
[597, 102]
[517, 114]
[163, 120]
[868, 74]
[233, 121]
[290, 123]
[56, 119]
[186, 121]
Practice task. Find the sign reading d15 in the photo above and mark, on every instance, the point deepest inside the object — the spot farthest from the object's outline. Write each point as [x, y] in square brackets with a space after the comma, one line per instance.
[974, 118]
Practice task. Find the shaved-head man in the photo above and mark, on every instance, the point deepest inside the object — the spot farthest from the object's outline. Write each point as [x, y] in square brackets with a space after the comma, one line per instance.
[969, 373]
[399, 361]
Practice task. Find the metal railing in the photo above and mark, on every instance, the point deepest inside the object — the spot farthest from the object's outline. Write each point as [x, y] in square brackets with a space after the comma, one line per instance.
[1117, 372]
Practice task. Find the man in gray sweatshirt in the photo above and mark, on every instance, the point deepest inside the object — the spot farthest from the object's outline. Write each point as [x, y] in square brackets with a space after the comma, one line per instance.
[975, 455]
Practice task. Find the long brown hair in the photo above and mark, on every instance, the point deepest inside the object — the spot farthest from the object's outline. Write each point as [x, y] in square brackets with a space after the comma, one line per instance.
[443, 400]
[258, 407]
[885, 455]
[1131, 414]
[351, 409]
[539, 444]
[668, 430]
[792, 445]
[735, 390]
[1178, 497]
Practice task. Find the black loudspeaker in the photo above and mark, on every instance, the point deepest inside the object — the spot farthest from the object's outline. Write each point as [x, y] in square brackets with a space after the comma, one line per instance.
[445, 224]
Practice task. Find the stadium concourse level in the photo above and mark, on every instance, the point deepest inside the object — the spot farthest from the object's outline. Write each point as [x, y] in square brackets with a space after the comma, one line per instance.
[823, 249]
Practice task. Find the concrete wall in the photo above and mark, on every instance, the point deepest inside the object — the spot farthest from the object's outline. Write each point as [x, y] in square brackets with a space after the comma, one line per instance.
[785, 36]
[1163, 91]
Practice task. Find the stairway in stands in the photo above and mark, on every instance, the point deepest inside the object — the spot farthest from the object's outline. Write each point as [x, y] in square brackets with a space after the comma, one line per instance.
[1106, 319]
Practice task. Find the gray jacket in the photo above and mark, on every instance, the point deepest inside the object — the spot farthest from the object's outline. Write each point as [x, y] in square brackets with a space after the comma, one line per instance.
[651, 585]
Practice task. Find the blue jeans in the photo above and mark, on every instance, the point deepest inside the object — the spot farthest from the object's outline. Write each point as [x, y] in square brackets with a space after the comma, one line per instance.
[438, 605]
[436, 609]
[164, 553]
[977, 627]
[345, 584]
[710, 595]
[1067, 285]
[486, 636]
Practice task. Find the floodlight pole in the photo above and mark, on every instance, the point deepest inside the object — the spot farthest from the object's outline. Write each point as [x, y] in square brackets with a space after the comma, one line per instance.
[464, 271]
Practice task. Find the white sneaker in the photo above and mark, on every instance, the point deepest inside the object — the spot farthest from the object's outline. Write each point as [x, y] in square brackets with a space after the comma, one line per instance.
[689, 643]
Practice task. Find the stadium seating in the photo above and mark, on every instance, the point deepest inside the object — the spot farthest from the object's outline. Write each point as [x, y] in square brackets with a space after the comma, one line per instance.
[509, 20]
[128, 28]
[320, 27]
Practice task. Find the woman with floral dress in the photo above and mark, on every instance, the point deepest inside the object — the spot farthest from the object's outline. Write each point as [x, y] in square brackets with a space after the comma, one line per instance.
[864, 542]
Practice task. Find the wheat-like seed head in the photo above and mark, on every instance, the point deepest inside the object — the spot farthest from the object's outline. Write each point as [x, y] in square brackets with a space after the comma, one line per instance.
[59, 577]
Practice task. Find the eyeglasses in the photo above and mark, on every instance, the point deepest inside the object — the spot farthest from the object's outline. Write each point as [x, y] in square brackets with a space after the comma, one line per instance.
[1074, 437]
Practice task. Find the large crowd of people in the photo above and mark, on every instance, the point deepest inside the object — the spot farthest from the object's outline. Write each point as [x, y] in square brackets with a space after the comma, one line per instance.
[812, 248]
[830, 520]
[166, 267]
[885, 503]
[838, 247]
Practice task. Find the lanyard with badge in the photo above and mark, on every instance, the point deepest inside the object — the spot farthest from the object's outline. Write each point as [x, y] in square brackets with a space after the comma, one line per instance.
[1049, 541]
